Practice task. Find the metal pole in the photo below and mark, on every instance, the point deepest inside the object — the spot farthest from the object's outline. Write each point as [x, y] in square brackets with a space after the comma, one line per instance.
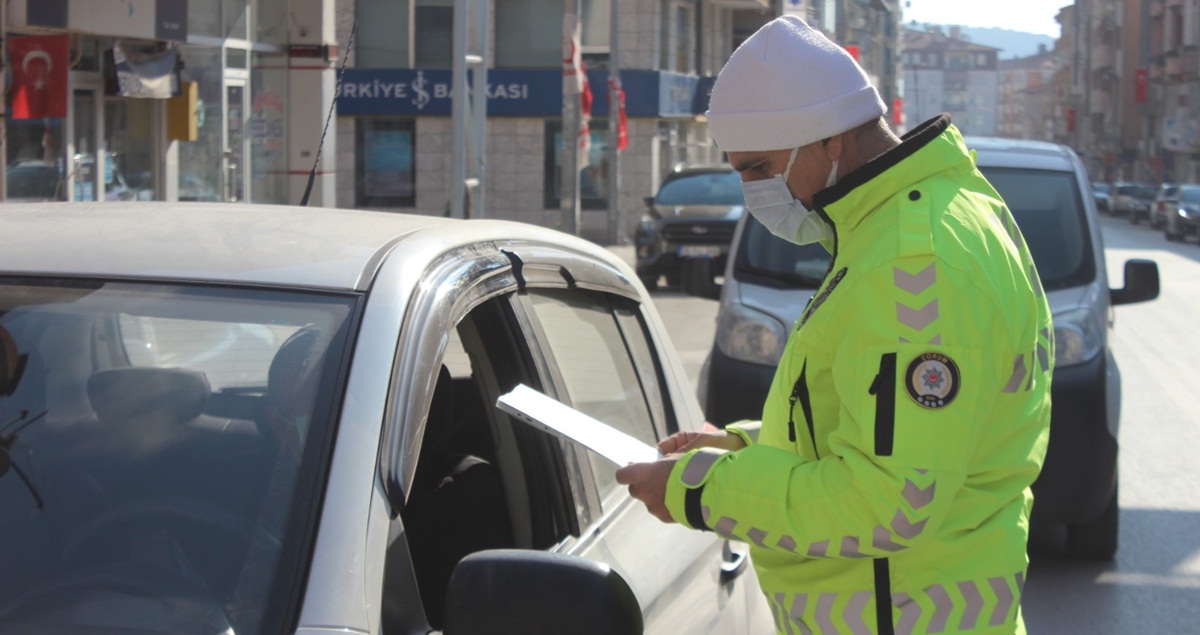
[569, 193]
[615, 229]
[479, 24]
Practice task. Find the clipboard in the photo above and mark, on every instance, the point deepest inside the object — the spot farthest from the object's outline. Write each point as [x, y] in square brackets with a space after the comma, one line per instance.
[555, 417]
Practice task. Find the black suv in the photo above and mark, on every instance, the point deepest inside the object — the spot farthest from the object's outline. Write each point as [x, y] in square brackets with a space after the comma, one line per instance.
[693, 214]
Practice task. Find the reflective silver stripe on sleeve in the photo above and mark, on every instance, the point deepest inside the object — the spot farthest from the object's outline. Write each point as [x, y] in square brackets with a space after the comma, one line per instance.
[881, 540]
[1043, 357]
[825, 612]
[853, 616]
[850, 547]
[787, 543]
[818, 549]
[1018, 375]
[758, 537]
[916, 496]
[724, 528]
[696, 471]
[910, 612]
[779, 610]
[942, 607]
[797, 614]
[905, 529]
[1004, 604]
[974, 601]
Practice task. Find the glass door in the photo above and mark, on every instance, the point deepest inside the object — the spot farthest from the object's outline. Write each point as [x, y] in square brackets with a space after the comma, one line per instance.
[233, 159]
[85, 166]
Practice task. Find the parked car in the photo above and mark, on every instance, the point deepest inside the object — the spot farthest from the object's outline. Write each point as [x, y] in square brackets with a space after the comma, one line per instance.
[1183, 217]
[768, 282]
[693, 214]
[264, 419]
[1101, 193]
[1166, 200]
[1144, 203]
[1132, 199]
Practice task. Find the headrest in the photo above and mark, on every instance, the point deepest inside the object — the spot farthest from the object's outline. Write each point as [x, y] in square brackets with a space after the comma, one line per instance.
[169, 394]
[294, 367]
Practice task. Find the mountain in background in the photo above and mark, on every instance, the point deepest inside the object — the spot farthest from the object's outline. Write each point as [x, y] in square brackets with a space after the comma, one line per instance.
[1012, 44]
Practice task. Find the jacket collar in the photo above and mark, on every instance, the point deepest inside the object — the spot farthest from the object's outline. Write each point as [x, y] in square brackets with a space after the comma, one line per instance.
[934, 146]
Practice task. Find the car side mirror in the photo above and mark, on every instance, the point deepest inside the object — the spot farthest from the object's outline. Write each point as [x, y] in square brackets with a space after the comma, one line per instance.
[1141, 283]
[698, 278]
[505, 591]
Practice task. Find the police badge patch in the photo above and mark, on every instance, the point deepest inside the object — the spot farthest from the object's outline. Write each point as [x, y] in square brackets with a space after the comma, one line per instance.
[932, 380]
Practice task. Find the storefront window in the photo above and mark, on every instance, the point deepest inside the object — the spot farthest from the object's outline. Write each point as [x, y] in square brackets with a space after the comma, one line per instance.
[36, 168]
[268, 141]
[593, 177]
[270, 23]
[385, 169]
[204, 18]
[130, 139]
[200, 160]
[434, 35]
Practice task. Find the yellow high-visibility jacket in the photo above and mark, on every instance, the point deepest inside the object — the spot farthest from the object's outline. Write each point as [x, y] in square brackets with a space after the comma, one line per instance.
[887, 489]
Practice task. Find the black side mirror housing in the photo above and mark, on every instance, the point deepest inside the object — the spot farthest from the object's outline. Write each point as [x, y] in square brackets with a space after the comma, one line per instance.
[698, 277]
[1141, 283]
[505, 591]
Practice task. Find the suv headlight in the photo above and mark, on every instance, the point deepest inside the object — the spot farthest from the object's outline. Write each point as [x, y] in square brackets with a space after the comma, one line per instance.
[751, 336]
[1078, 336]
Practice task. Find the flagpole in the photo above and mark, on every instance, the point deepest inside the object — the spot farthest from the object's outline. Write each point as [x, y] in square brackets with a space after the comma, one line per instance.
[615, 231]
[4, 102]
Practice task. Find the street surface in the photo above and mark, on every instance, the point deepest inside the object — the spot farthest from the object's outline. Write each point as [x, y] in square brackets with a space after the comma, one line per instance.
[1153, 585]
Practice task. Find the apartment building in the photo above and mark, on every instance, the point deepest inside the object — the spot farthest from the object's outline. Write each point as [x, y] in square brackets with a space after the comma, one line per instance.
[1025, 106]
[945, 73]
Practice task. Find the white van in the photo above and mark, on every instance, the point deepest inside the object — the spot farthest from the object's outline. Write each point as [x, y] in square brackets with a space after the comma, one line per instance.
[768, 281]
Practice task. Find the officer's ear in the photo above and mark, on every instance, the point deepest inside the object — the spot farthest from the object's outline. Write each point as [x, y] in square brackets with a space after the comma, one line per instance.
[833, 147]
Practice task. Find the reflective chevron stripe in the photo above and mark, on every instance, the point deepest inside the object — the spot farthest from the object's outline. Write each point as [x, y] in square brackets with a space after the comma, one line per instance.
[917, 319]
[915, 283]
[993, 600]
[696, 471]
[1018, 375]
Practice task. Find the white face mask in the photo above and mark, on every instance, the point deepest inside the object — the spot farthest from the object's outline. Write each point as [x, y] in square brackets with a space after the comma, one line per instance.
[772, 203]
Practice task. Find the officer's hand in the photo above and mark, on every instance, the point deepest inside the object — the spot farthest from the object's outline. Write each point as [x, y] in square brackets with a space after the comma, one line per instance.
[686, 441]
[648, 483]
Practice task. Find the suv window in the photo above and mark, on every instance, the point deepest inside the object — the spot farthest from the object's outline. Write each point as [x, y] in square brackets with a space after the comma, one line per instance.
[702, 188]
[1190, 195]
[1050, 212]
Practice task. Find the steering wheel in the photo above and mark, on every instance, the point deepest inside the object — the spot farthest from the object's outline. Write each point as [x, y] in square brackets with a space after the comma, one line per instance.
[154, 510]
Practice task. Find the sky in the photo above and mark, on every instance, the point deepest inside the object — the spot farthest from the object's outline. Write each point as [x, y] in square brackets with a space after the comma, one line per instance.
[1029, 16]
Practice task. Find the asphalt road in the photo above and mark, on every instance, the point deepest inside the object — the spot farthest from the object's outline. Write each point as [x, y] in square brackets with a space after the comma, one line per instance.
[1153, 585]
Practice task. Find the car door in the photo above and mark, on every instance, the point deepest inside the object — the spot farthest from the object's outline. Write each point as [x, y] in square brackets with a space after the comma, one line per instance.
[604, 362]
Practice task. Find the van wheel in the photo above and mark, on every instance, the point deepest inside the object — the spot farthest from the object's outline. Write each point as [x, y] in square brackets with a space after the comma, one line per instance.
[1096, 539]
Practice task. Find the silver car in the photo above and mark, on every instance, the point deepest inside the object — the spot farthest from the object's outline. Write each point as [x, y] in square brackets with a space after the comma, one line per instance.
[768, 281]
[262, 419]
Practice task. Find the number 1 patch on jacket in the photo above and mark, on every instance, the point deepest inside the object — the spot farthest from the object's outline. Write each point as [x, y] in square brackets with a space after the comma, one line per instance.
[932, 380]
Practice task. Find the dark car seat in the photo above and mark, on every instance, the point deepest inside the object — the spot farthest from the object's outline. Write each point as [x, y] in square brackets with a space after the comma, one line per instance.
[457, 505]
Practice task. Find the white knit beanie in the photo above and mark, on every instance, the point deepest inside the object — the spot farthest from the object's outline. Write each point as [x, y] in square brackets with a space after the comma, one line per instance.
[788, 86]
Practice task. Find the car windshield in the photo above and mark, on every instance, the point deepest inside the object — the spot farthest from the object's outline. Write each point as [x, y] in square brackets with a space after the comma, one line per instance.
[702, 188]
[1050, 213]
[776, 262]
[159, 452]
[1146, 193]
[1100, 188]
[1190, 195]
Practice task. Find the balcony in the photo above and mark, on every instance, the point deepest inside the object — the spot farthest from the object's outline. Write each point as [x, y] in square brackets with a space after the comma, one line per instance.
[756, 5]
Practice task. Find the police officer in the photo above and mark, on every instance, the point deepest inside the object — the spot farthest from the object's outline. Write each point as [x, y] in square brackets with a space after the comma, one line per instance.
[886, 489]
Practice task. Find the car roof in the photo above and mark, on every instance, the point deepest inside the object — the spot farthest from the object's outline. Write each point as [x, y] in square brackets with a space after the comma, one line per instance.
[240, 243]
[1020, 153]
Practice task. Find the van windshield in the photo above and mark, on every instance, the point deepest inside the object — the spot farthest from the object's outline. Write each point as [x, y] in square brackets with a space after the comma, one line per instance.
[1051, 214]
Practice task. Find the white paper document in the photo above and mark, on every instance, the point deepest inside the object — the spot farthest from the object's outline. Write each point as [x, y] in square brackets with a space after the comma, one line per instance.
[561, 420]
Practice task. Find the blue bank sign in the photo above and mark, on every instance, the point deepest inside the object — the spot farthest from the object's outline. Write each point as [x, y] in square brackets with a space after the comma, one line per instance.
[510, 93]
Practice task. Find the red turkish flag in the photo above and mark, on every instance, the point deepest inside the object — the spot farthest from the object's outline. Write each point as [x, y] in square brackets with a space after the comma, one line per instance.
[39, 76]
